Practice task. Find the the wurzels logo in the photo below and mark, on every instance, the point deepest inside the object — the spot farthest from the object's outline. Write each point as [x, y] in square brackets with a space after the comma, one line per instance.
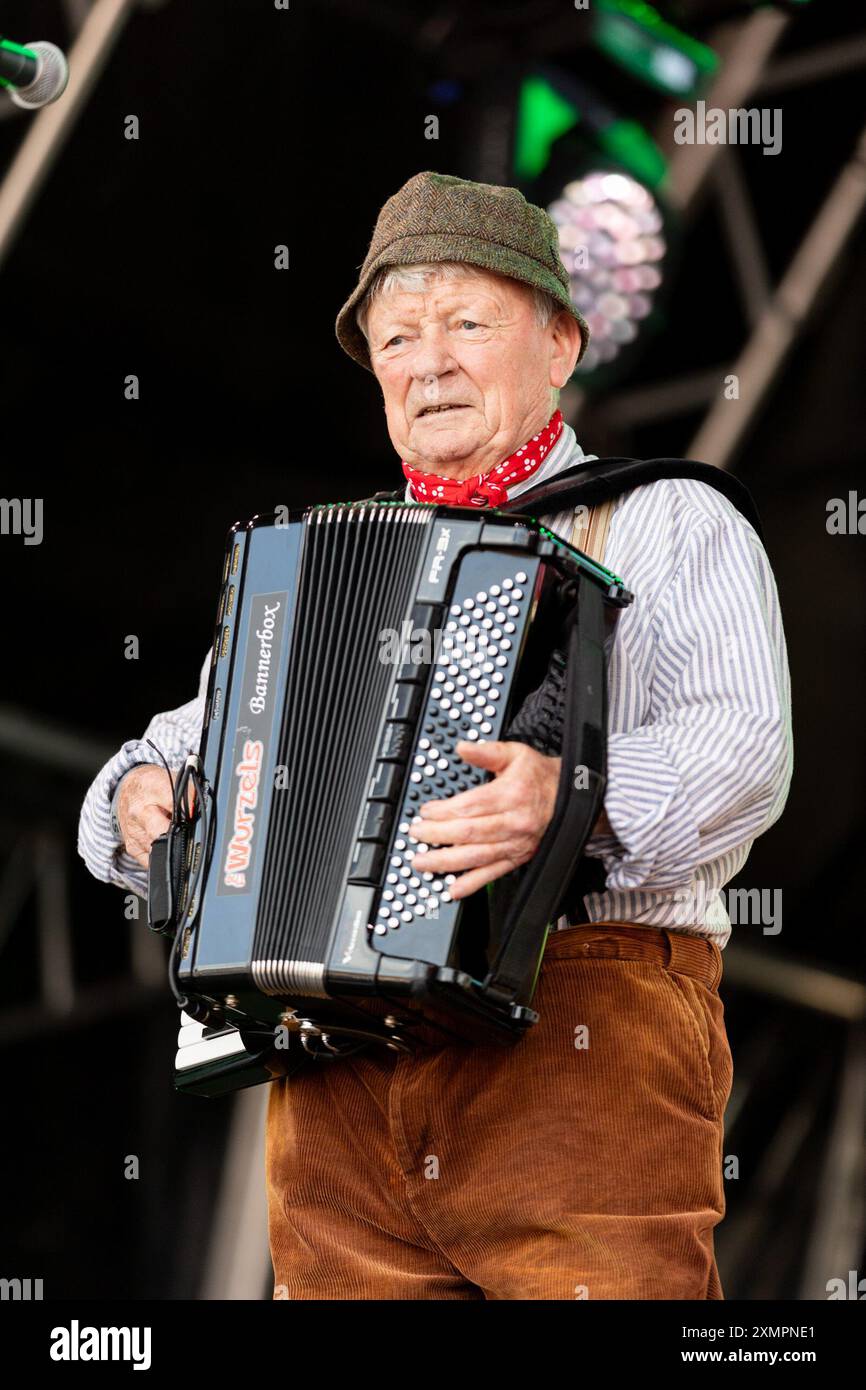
[252, 740]
[248, 772]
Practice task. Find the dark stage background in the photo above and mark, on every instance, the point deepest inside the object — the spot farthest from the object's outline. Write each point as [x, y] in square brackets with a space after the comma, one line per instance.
[156, 257]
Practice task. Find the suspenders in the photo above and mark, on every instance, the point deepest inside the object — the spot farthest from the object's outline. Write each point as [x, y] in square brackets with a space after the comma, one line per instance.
[590, 528]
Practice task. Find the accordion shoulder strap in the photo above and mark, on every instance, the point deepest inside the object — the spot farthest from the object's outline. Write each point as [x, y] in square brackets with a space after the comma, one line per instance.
[597, 480]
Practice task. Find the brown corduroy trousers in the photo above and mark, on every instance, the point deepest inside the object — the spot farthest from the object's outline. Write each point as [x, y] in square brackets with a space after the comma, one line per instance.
[584, 1162]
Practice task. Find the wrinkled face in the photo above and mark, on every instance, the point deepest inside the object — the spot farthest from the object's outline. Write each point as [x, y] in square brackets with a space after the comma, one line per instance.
[465, 370]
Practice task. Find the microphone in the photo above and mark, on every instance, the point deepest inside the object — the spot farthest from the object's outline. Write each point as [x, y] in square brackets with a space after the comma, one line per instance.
[35, 74]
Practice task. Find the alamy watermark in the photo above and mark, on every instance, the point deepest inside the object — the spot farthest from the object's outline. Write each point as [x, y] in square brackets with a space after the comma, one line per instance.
[853, 1288]
[746, 907]
[20, 1290]
[846, 516]
[22, 516]
[703, 125]
[77, 1343]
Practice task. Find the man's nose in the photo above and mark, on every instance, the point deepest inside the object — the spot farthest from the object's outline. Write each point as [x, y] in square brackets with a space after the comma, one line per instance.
[432, 357]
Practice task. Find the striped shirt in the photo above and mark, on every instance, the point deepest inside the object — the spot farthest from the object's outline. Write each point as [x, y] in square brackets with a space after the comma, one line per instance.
[699, 718]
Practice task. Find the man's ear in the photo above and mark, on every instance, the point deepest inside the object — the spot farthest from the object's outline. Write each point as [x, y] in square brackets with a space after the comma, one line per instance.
[567, 337]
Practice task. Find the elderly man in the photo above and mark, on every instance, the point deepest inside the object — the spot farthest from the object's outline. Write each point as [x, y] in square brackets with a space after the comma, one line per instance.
[585, 1162]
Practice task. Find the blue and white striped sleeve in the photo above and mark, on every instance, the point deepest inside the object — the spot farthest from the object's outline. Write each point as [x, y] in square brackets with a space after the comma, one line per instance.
[176, 733]
[709, 769]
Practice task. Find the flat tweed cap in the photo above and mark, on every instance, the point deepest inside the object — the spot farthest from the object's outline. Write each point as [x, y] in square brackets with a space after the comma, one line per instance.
[436, 217]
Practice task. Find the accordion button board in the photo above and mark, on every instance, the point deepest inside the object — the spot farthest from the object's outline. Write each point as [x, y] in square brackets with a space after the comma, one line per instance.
[476, 650]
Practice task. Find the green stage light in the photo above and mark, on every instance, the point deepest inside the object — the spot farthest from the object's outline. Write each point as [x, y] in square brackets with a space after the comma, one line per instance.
[635, 36]
[630, 145]
[543, 115]
[22, 52]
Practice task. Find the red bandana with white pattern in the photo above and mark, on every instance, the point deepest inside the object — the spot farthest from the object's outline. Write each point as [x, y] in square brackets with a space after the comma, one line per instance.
[486, 489]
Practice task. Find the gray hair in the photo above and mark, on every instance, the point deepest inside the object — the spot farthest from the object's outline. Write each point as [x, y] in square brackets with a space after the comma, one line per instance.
[416, 278]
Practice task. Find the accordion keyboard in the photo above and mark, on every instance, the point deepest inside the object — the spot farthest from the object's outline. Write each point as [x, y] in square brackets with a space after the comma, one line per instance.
[477, 651]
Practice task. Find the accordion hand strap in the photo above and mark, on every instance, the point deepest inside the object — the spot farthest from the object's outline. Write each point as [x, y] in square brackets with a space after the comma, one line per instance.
[578, 802]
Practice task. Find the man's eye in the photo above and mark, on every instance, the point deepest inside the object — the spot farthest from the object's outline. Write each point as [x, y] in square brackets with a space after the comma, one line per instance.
[396, 339]
[468, 323]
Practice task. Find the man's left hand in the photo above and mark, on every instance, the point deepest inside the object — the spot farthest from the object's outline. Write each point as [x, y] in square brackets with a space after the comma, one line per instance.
[494, 828]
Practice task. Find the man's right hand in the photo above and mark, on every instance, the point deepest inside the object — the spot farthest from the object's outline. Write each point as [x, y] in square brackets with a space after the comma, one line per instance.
[144, 808]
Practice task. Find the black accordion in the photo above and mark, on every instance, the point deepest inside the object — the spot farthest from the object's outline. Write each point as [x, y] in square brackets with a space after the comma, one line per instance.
[355, 644]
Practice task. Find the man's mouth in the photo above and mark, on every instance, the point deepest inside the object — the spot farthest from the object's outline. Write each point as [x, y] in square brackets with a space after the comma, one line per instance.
[438, 409]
